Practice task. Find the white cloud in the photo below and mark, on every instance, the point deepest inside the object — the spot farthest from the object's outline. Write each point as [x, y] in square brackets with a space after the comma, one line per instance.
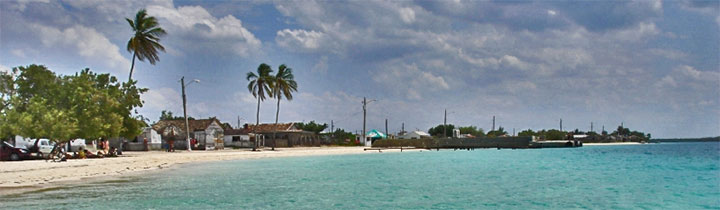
[637, 33]
[158, 99]
[195, 22]
[551, 12]
[410, 81]
[299, 39]
[86, 42]
[513, 62]
[4, 68]
[407, 15]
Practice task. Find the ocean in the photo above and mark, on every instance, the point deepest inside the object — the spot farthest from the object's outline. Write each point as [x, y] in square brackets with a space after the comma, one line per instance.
[651, 176]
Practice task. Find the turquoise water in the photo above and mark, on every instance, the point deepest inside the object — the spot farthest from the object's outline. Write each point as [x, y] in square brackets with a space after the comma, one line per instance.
[654, 176]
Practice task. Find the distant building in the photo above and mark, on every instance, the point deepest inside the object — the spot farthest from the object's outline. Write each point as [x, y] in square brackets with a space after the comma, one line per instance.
[283, 135]
[415, 135]
[237, 138]
[207, 132]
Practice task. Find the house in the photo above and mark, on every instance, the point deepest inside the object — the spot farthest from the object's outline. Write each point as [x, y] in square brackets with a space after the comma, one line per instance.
[416, 135]
[207, 132]
[154, 140]
[237, 138]
[283, 135]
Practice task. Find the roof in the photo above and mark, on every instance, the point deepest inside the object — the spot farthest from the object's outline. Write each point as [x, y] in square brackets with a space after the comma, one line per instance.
[270, 127]
[180, 124]
[421, 133]
[375, 134]
[235, 132]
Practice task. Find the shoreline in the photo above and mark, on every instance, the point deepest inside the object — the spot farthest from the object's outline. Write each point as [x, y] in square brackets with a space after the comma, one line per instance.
[612, 144]
[39, 175]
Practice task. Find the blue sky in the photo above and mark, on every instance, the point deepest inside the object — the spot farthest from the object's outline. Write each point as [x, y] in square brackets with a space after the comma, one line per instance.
[652, 65]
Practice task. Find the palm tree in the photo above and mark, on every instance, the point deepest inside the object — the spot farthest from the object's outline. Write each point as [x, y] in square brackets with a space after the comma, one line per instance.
[260, 85]
[284, 85]
[145, 43]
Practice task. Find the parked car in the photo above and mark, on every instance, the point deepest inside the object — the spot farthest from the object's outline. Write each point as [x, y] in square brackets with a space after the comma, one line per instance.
[41, 147]
[9, 152]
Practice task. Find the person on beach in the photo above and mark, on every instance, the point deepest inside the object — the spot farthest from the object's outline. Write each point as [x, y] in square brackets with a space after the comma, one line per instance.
[81, 153]
[145, 144]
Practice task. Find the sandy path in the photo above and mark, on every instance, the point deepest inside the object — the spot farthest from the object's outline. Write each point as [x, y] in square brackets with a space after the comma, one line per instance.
[41, 174]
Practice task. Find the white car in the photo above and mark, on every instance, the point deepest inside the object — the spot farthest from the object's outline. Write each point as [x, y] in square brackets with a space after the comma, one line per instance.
[42, 147]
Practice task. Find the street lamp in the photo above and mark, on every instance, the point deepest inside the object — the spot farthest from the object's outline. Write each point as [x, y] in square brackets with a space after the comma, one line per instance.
[187, 126]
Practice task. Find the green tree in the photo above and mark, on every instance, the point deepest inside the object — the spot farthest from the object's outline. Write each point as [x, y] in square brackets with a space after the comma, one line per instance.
[312, 126]
[168, 115]
[85, 105]
[497, 133]
[440, 130]
[554, 134]
[340, 135]
[284, 85]
[472, 130]
[528, 132]
[260, 87]
[145, 43]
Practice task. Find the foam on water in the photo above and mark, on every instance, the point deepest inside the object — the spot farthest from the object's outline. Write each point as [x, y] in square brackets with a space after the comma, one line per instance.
[654, 176]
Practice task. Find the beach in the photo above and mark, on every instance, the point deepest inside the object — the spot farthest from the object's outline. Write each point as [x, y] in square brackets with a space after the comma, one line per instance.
[22, 176]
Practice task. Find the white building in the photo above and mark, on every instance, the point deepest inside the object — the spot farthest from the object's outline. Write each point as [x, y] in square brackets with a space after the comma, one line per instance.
[415, 135]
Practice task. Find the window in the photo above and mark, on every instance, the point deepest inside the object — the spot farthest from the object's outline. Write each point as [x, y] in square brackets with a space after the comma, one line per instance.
[236, 138]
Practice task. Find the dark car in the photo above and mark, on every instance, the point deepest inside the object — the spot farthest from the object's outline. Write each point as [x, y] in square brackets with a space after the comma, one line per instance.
[9, 152]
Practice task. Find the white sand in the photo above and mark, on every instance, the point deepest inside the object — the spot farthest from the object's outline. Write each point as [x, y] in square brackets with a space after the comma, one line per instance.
[38, 174]
[610, 144]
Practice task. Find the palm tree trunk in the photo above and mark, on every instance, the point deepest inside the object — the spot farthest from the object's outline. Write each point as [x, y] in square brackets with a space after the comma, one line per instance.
[277, 114]
[132, 67]
[257, 123]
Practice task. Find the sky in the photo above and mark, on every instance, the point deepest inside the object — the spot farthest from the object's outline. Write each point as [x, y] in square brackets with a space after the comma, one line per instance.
[653, 66]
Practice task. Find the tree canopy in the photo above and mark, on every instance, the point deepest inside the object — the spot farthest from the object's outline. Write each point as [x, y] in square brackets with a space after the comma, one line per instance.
[472, 130]
[439, 130]
[37, 103]
[168, 115]
[312, 126]
[497, 133]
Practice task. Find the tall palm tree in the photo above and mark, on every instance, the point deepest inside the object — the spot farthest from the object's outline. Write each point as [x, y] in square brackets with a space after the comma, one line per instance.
[146, 41]
[260, 85]
[284, 85]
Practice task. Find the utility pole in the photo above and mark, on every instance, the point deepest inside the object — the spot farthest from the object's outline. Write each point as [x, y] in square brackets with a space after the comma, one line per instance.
[386, 130]
[365, 102]
[560, 124]
[493, 125]
[513, 131]
[187, 126]
[364, 114]
[402, 129]
[238, 126]
[445, 125]
[332, 126]
[591, 127]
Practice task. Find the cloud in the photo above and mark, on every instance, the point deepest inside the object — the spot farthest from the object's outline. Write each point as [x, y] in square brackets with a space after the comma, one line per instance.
[410, 81]
[300, 40]
[87, 42]
[204, 32]
[4, 68]
[158, 99]
[407, 15]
